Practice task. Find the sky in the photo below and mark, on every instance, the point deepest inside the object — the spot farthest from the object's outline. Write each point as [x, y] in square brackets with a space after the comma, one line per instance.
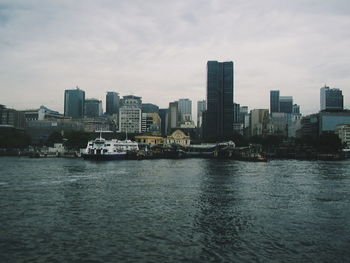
[158, 49]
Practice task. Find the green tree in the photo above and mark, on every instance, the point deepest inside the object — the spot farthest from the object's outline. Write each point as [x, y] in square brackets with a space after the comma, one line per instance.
[77, 139]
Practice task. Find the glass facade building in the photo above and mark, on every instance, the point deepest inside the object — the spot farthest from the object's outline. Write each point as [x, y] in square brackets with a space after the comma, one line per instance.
[74, 103]
[331, 99]
[218, 118]
[274, 101]
[112, 103]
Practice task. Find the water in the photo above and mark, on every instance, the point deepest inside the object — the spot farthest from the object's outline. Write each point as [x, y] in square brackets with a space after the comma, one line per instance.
[193, 210]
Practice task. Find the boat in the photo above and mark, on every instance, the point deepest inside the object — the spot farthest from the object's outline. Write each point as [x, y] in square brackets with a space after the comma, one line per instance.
[102, 149]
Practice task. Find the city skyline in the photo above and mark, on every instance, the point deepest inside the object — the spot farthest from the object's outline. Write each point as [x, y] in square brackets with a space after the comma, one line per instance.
[145, 50]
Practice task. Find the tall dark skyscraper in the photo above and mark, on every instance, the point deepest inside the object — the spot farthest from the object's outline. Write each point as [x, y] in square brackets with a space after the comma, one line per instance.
[274, 101]
[218, 118]
[74, 103]
[112, 103]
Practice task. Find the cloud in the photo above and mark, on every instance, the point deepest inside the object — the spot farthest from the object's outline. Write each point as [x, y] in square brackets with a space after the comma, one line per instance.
[159, 49]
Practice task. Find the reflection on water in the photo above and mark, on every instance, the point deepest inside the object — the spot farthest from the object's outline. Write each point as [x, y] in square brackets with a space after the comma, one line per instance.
[190, 210]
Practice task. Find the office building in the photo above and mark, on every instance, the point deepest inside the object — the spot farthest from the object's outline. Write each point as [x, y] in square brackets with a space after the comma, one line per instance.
[43, 113]
[260, 122]
[74, 103]
[130, 116]
[92, 108]
[11, 118]
[218, 118]
[150, 123]
[163, 114]
[328, 121]
[274, 101]
[236, 113]
[149, 108]
[173, 116]
[201, 107]
[112, 103]
[331, 99]
[185, 110]
[286, 104]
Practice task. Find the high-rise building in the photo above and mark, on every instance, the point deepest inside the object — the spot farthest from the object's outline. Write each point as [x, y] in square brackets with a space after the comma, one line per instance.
[112, 102]
[185, 109]
[92, 108]
[218, 118]
[130, 114]
[331, 99]
[173, 116]
[286, 104]
[149, 108]
[259, 122]
[74, 103]
[163, 113]
[201, 107]
[274, 101]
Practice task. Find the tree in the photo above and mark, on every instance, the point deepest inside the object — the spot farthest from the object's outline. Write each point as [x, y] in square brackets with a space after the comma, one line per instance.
[77, 139]
[54, 137]
[329, 142]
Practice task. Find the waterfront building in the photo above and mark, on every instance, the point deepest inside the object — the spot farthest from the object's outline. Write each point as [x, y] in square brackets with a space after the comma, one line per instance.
[274, 101]
[328, 121]
[286, 104]
[150, 140]
[40, 130]
[343, 132]
[185, 109]
[130, 116]
[149, 108]
[43, 113]
[112, 103]
[259, 122]
[163, 114]
[201, 107]
[150, 123]
[11, 118]
[173, 116]
[96, 124]
[92, 108]
[177, 137]
[331, 99]
[218, 118]
[74, 103]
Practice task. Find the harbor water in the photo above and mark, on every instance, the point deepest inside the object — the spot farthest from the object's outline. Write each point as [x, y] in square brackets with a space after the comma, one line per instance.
[191, 210]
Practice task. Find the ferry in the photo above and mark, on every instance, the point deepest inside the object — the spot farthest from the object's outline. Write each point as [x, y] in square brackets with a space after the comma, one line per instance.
[102, 149]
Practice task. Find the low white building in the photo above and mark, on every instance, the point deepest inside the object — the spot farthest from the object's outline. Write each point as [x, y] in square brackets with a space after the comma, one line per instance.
[343, 131]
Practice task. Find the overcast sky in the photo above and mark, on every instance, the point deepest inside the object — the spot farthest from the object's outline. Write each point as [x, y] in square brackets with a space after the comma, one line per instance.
[158, 49]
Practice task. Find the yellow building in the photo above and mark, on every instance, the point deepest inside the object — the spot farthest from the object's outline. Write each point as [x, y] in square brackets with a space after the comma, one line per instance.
[178, 137]
[150, 140]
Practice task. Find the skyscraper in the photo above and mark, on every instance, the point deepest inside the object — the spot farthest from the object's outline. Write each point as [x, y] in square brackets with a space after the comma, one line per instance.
[286, 104]
[201, 107]
[112, 102]
[274, 101]
[173, 116]
[74, 100]
[331, 99]
[185, 109]
[218, 119]
[92, 108]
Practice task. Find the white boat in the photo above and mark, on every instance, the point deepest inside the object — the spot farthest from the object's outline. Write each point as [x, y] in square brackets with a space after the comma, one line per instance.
[102, 149]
